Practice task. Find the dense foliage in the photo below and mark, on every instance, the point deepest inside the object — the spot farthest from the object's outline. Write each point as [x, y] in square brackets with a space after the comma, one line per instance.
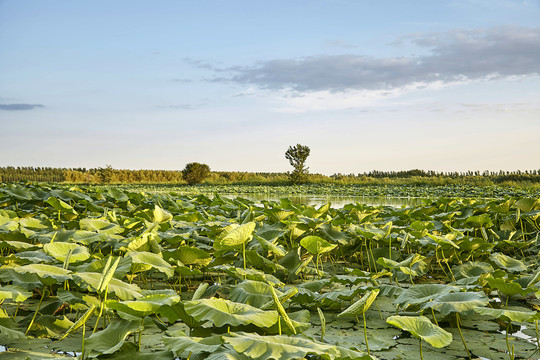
[411, 177]
[195, 173]
[117, 274]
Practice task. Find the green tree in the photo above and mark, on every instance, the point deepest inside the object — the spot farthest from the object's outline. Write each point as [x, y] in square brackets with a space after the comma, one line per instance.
[195, 173]
[106, 174]
[297, 156]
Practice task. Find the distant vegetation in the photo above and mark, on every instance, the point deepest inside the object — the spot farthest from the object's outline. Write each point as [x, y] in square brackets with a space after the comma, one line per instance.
[411, 177]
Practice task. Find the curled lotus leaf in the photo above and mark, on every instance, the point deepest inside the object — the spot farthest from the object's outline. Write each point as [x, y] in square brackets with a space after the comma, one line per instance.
[278, 347]
[508, 263]
[508, 315]
[222, 312]
[316, 245]
[362, 305]
[422, 293]
[457, 302]
[421, 328]
[255, 293]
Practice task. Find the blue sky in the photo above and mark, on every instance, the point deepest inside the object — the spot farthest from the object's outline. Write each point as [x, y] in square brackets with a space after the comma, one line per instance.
[386, 85]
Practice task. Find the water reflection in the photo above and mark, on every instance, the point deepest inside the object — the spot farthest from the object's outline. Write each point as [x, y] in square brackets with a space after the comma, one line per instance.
[336, 201]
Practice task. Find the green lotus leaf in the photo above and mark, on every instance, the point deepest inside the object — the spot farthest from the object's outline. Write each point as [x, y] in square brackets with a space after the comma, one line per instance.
[10, 330]
[507, 315]
[35, 224]
[145, 305]
[316, 245]
[36, 256]
[527, 205]
[130, 351]
[238, 235]
[419, 294]
[222, 312]
[117, 195]
[14, 293]
[189, 255]
[362, 305]
[143, 261]
[9, 225]
[227, 354]
[123, 290]
[444, 240]
[161, 215]
[421, 328]
[472, 269]
[508, 287]
[254, 293]
[52, 325]
[61, 206]
[176, 312]
[86, 237]
[277, 347]
[59, 251]
[250, 274]
[100, 226]
[112, 338]
[184, 346]
[508, 263]
[17, 245]
[47, 274]
[479, 221]
[457, 302]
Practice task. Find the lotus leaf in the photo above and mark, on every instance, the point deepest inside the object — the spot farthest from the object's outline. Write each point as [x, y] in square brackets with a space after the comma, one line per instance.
[316, 245]
[421, 328]
[255, 293]
[143, 261]
[184, 346]
[507, 315]
[112, 338]
[457, 302]
[362, 305]
[222, 312]
[277, 347]
[508, 263]
[422, 293]
[59, 251]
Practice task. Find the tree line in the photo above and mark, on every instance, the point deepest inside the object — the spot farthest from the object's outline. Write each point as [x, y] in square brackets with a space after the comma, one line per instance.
[108, 174]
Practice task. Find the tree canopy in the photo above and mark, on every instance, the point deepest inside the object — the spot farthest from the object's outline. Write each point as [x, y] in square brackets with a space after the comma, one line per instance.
[297, 156]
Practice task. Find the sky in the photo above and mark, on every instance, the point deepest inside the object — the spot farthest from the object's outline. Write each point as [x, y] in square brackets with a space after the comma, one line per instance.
[366, 85]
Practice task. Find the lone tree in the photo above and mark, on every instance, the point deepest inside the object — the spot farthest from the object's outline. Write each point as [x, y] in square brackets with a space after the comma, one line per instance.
[297, 156]
[195, 173]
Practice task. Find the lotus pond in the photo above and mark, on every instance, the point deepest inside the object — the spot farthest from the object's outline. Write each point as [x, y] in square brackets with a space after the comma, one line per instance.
[109, 273]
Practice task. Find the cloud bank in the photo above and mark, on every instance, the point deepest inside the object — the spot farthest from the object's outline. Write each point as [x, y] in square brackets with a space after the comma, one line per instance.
[452, 57]
[20, 107]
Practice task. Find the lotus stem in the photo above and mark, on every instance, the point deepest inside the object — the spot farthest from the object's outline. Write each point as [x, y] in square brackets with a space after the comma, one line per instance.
[82, 345]
[510, 350]
[434, 318]
[365, 331]
[102, 305]
[537, 337]
[244, 254]
[458, 320]
[448, 265]
[35, 314]
[421, 355]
